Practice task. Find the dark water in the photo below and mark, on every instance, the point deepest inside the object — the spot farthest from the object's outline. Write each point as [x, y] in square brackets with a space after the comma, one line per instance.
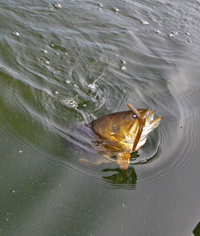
[73, 61]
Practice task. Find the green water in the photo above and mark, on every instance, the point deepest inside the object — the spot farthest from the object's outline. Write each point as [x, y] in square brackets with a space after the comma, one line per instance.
[72, 63]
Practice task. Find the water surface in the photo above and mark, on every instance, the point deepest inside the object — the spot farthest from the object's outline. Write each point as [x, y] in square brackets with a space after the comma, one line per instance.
[71, 62]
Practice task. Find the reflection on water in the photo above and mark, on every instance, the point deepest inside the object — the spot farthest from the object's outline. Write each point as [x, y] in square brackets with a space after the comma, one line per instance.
[70, 62]
[122, 178]
[196, 231]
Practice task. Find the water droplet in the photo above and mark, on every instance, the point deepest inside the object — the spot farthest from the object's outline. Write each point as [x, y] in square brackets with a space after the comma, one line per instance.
[16, 33]
[57, 5]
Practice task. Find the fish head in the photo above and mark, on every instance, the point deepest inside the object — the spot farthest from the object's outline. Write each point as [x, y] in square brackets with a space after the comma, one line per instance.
[120, 129]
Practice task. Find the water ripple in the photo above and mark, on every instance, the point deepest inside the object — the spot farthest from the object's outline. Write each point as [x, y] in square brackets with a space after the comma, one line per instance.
[57, 72]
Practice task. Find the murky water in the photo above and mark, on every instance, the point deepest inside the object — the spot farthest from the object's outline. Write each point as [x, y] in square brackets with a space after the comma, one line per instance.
[70, 62]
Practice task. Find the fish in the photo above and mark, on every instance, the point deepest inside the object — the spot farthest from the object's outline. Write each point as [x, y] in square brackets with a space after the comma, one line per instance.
[125, 132]
[117, 134]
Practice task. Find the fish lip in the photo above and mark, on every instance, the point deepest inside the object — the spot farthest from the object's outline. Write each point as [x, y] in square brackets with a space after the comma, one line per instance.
[149, 118]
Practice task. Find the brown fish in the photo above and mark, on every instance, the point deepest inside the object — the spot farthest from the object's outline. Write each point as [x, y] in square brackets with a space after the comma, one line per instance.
[125, 132]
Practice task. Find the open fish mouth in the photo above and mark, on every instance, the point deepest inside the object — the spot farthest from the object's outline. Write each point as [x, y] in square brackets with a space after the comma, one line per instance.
[149, 120]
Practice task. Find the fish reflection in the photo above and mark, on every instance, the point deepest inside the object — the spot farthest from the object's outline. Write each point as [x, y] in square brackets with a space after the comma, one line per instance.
[121, 177]
[196, 230]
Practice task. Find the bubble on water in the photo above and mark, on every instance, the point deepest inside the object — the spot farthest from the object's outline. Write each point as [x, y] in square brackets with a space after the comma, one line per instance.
[123, 62]
[44, 60]
[115, 9]
[57, 5]
[172, 34]
[144, 22]
[92, 87]
[16, 33]
[71, 103]
[67, 81]
[44, 51]
[157, 31]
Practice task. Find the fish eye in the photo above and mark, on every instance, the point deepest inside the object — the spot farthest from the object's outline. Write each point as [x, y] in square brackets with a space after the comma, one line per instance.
[134, 116]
